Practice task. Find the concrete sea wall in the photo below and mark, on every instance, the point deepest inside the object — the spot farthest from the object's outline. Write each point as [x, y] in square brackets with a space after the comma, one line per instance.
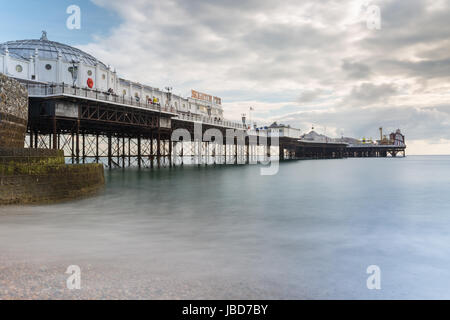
[31, 176]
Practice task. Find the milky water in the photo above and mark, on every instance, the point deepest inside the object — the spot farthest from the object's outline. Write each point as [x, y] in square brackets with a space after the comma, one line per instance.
[310, 231]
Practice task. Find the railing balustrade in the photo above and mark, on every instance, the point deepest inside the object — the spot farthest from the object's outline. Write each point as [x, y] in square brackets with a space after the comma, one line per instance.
[65, 89]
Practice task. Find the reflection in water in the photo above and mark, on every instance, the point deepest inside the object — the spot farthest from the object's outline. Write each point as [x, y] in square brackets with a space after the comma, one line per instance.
[227, 232]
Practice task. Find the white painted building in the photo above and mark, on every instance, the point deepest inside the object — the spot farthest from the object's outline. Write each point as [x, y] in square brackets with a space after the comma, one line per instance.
[277, 130]
[49, 62]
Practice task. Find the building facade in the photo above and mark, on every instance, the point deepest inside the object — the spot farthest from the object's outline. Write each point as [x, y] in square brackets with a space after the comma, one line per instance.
[48, 62]
[277, 130]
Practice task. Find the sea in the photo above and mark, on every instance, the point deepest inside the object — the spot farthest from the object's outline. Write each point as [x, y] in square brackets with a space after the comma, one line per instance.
[372, 228]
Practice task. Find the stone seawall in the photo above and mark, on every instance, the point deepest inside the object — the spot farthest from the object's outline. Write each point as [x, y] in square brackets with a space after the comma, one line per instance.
[35, 183]
[31, 176]
[13, 113]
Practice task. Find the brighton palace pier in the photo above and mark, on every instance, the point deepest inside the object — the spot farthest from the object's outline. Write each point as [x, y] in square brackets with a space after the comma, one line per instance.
[80, 105]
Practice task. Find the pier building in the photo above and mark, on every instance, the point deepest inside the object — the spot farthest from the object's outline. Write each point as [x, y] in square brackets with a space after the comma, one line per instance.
[82, 106]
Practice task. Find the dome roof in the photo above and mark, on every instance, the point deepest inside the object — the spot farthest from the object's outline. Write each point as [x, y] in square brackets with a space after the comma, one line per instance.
[24, 49]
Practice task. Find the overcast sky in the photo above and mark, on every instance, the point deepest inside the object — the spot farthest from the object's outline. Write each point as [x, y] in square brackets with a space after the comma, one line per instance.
[297, 62]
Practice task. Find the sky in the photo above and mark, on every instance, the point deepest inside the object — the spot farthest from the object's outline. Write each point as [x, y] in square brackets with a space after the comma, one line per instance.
[302, 63]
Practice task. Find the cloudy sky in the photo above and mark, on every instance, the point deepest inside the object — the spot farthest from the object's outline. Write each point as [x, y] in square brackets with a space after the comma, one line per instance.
[298, 62]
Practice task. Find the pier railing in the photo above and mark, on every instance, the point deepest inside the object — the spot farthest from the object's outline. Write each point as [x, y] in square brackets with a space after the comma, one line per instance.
[187, 117]
[43, 90]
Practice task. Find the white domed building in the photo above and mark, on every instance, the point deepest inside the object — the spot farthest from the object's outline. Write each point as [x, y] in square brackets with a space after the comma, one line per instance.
[41, 61]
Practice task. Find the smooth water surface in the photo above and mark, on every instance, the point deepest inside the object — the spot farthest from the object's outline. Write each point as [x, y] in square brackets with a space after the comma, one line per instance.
[310, 231]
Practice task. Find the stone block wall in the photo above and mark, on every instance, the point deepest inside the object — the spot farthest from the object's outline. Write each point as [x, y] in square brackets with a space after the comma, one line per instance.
[35, 183]
[13, 113]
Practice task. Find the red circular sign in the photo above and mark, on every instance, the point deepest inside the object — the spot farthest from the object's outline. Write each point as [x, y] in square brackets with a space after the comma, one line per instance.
[90, 83]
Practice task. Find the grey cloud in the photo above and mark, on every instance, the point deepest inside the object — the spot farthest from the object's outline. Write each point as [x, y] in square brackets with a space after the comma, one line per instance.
[368, 93]
[311, 95]
[355, 70]
[425, 69]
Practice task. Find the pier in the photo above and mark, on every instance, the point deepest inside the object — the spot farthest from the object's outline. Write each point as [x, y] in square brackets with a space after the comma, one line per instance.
[80, 105]
[91, 126]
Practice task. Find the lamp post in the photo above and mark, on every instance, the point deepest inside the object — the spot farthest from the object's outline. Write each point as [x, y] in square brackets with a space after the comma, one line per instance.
[74, 72]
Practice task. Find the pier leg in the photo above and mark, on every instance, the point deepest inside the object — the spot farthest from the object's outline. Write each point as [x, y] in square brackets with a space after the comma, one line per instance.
[129, 151]
[225, 152]
[182, 153]
[235, 150]
[54, 133]
[139, 151]
[199, 152]
[151, 151]
[72, 151]
[170, 154]
[123, 151]
[31, 138]
[36, 142]
[83, 139]
[109, 151]
[118, 151]
[247, 150]
[158, 150]
[78, 142]
[97, 158]
[206, 153]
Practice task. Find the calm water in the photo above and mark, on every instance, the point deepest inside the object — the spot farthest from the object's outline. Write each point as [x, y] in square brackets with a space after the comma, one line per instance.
[227, 232]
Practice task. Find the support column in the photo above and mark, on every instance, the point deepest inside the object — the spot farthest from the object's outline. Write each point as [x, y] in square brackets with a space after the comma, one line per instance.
[182, 153]
[158, 149]
[170, 152]
[118, 151]
[129, 151]
[72, 150]
[109, 150]
[123, 151]
[151, 150]
[206, 153]
[83, 146]
[236, 150]
[77, 147]
[36, 142]
[55, 142]
[139, 152]
[225, 150]
[247, 150]
[97, 159]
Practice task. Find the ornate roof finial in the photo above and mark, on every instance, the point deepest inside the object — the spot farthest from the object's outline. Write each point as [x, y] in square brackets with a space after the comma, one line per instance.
[44, 35]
